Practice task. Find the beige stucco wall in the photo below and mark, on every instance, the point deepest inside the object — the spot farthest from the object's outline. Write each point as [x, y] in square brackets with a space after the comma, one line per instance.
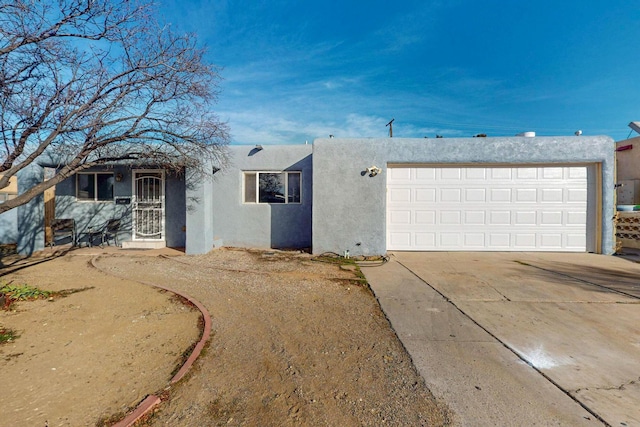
[12, 188]
[628, 161]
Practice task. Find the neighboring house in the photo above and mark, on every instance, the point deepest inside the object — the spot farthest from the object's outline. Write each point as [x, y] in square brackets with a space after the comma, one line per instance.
[628, 171]
[628, 192]
[365, 196]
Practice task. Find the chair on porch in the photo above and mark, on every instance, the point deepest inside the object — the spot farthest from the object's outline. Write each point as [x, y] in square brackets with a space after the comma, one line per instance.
[63, 227]
[111, 229]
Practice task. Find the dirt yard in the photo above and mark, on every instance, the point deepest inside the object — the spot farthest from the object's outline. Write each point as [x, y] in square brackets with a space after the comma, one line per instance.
[294, 341]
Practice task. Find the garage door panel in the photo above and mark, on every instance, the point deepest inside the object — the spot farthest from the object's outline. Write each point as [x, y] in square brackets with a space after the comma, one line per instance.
[483, 208]
[577, 173]
[400, 195]
[401, 240]
[474, 240]
[551, 195]
[499, 240]
[551, 240]
[424, 195]
[474, 217]
[499, 217]
[500, 173]
[475, 195]
[425, 239]
[576, 240]
[577, 195]
[551, 218]
[552, 173]
[500, 195]
[425, 217]
[525, 218]
[472, 174]
[526, 195]
[425, 174]
[576, 218]
[524, 241]
[450, 239]
[450, 195]
[527, 173]
[450, 174]
[398, 217]
[451, 217]
[399, 174]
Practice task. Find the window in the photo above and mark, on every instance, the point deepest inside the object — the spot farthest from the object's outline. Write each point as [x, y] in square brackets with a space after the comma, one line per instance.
[272, 187]
[94, 186]
[6, 196]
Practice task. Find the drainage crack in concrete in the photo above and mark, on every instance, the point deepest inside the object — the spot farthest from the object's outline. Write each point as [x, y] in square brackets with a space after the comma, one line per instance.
[498, 292]
[610, 388]
[512, 350]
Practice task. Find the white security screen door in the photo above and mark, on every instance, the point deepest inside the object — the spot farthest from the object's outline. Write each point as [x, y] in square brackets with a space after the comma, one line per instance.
[148, 205]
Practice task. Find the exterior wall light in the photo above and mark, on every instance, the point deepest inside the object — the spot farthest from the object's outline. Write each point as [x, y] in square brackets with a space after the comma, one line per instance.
[373, 171]
[119, 177]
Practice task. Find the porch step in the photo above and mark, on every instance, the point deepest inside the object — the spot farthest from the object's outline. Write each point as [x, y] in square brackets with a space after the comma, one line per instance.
[144, 244]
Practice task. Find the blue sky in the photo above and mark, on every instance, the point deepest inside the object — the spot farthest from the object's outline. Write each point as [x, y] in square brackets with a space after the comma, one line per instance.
[295, 71]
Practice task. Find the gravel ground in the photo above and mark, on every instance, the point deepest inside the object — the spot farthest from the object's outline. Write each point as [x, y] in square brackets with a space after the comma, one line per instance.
[90, 355]
[295, 342]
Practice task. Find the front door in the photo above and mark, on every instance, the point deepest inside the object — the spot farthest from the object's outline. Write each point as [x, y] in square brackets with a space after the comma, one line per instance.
[148, 205]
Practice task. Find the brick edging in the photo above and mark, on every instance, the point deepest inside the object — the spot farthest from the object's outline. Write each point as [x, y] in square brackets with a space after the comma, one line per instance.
[152, 401]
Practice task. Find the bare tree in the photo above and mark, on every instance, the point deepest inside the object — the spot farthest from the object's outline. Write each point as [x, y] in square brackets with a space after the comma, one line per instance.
[90, 82]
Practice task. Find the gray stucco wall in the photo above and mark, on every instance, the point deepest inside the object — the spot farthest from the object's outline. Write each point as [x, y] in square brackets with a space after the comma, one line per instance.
[175, 211]
[221, 217]
[9, 227]
[31, 214]
[199, 200]
[349, 207]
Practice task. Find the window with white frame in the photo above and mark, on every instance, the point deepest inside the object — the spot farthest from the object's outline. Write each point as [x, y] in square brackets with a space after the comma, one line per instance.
[94, 186]
[272, 187]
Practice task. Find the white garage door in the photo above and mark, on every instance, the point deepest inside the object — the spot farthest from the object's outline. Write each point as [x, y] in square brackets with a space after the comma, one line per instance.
[487, 208]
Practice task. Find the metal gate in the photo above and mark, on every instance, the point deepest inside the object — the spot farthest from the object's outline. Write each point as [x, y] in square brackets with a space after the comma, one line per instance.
[148, 205]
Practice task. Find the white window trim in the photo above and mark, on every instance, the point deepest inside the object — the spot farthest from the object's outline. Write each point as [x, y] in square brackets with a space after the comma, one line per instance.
[257, 187]
[95, 188]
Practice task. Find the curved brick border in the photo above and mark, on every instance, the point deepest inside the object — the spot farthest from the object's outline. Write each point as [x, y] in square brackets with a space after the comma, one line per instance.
[151, 401]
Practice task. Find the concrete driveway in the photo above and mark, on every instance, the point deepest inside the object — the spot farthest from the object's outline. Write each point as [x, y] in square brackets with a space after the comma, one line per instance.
[520, 338]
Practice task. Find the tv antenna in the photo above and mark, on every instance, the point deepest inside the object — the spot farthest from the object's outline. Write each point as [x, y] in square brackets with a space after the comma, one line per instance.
[390, 124]
[634, 126]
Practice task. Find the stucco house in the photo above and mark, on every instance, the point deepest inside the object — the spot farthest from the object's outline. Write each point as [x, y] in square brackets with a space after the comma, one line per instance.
[628, 171]
[362, 195]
